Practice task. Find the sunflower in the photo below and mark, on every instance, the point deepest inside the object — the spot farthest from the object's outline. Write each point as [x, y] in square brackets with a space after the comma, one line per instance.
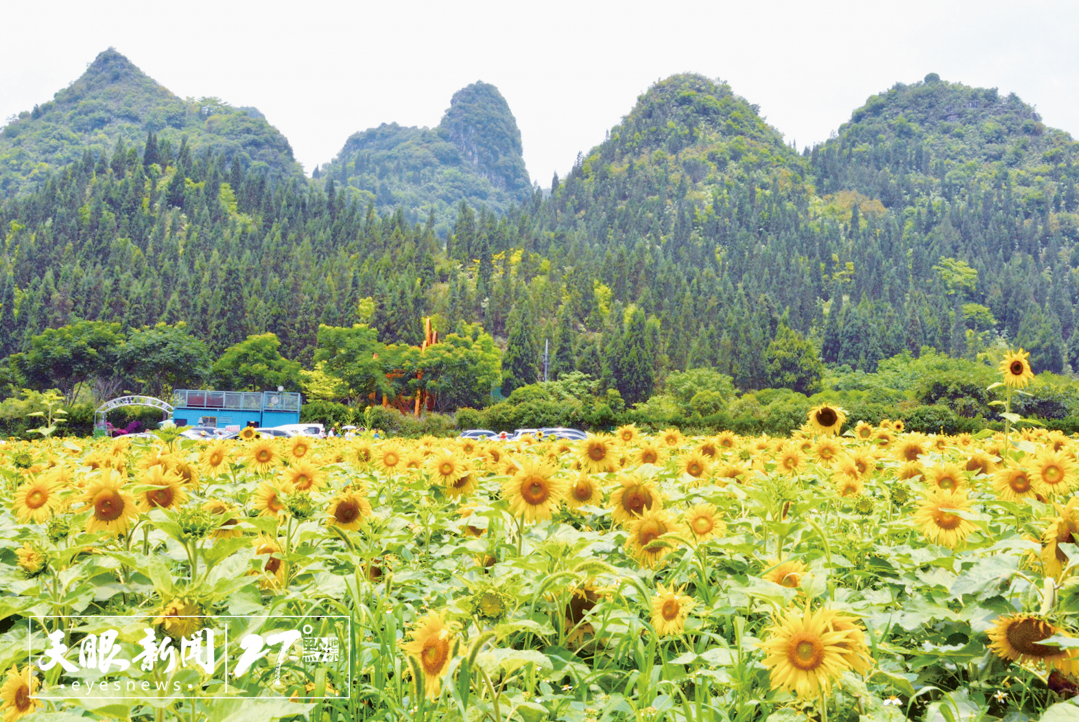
[1062, 529]
[299, 447]
[786, 574]
[347, 510]
[636, 496]
[248, 433]
[910, 470]
[627, 434]
[226, 529]
[445, 468]
[702, 522]
[36, 501]
[669, 611]
[533, 492]
[733, 471]
[805, 653]
[433, 646]
[727, 439]
[596, 454]
[18, 692]
[857, 465]
[166, 490]
[188, 473]
[273, 569]
[584, 491]
[708, 448]
[855, 650]
[827, 450]
[468, 447]
[646, 536]
[414, 460]
[31, 559]
[179, 617]
[790, 460]
[1054, 470]
[826, 419]
[1016, 369]
[949, 477]
[466, 512]
[215, 459]
[695, 464]
[388, 458]
[1016, 637]
[912, 446]
[583, 599]
[268, 500]
[493, 454]
[938, 519]
[648, 452]
[111, 508]
[671, 438]
[981, 462]
[463, 486]
[863, 430]
[1013, 483]
[262, 456]
[303, 476]
[361, 453]
[848, 486]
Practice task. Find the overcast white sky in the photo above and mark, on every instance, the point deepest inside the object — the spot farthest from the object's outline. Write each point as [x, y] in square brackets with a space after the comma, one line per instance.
[321, 71]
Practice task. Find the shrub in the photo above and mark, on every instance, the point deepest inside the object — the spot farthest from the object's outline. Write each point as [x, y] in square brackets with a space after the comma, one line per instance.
[328, 413]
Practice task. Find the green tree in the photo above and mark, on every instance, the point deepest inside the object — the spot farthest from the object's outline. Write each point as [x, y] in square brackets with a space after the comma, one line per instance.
[355, 356]
[520, 364]
[255, 364]
[462, 368]
[636, 373]
[65, 358]
[793, 362]
[230, 311]
[164, 357]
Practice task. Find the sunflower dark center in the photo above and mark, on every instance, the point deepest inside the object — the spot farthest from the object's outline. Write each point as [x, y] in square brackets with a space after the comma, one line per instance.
[597, 452]
[649, 456]
[22, 698]
[947, 483]
[827, 417]
[1016, 368]
[1019, 483]
[1024, 634]
[36, 499]
[635, 500]
[108, 506]
[264, 456]
[535, 490]
[433, 656]
[650, 531]
[347, 511]
[791, 580]
[160, 497]
[582, 490]
[694, 469]
[670, 609]
[445, 468]
[946, 520]
[805, 651]
[1052, 474]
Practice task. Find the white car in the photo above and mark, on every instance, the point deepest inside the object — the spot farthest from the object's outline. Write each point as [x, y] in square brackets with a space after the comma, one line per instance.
[305, 429]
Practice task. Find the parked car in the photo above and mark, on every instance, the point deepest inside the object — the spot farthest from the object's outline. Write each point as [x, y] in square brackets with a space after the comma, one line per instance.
[478, 434]
[561, 432]
[203, 432]
[262, 432]
[310, 429]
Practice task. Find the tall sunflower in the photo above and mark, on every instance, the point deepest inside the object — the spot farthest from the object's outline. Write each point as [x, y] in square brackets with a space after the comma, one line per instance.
[647, 536]
[268, 500]
[727, 439]
[948, 477]
[596, 454]
[36, 501]
[262, 456]
[227, 527]
[179, 617]
[827, 419]
[786, 574]
[938, 518]
[462, 486]
[273, 569]
[702, 522]
[17, 694]
[433, 646]
[805, 653]
[695, 464]
[111, 508]
[671, 438]
[636, 496]
[1016, 369]
[1017, 637]
[827, 450]
[669, 611]
[855, 650]
[981, 462]
[388, 458]
[790, 460]
[912, 446]
[534, 492]
[347, 510]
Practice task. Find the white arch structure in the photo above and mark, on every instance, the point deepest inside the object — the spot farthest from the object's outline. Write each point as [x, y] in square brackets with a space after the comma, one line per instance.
[133, 400]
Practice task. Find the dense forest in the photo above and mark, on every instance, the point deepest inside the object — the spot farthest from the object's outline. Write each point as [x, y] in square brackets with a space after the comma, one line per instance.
[939, 216]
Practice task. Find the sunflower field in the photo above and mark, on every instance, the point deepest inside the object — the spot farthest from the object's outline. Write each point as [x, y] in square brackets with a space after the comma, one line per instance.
[878, 575]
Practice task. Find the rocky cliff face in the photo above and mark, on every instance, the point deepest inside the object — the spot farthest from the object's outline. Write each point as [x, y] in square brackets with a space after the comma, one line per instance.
[480, 124]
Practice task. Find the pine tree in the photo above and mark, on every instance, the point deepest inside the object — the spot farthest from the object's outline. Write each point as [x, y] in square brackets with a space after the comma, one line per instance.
[229, 325]
[637, 363]
[520, 363]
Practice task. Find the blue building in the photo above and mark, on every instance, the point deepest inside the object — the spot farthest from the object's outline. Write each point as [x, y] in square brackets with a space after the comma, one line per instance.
[236, 409]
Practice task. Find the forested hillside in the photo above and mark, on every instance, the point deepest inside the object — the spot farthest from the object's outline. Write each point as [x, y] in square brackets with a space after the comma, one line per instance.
[114, 105]
[474, 155]
[691, 237]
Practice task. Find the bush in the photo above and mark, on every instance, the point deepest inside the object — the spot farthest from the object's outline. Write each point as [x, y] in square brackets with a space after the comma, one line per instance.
[328, 413]
[467, 418]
